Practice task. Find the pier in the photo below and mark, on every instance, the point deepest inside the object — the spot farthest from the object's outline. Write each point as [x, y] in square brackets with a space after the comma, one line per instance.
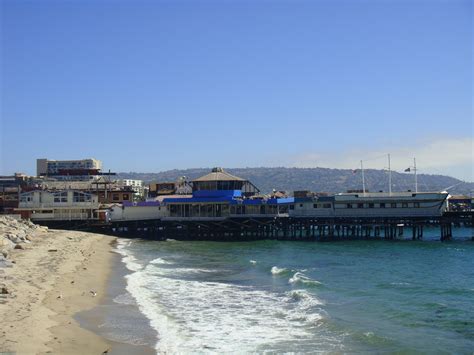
[286, 228]
[222, 207]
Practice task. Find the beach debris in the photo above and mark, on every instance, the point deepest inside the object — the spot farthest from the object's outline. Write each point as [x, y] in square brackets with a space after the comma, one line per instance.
[72, 281]
[106, 351]
[60, 296]
[51, 250]
[4, 290]
[93, 293]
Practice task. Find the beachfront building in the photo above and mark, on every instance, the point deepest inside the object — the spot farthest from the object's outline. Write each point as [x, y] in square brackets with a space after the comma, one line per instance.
[220, 195]
[216, 196]
[59, 205]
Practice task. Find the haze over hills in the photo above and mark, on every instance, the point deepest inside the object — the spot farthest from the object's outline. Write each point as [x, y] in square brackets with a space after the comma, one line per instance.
[319, 179]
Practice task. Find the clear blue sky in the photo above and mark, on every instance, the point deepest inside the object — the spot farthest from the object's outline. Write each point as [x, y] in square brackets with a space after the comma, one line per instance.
[155, 85]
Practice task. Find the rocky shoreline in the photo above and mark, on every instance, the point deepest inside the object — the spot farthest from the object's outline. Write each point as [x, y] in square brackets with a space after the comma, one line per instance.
[15, 234]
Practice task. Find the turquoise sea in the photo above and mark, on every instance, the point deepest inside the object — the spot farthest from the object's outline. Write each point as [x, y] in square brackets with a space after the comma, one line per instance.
[275, 296]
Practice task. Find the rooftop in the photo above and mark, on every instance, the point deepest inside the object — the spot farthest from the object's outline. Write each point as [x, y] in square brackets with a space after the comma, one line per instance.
[218, 174]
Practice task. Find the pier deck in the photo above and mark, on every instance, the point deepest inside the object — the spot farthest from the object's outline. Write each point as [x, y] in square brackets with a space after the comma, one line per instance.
[286, 228]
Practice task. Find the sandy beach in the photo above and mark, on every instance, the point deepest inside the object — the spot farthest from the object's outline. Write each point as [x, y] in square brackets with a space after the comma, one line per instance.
[55, 276]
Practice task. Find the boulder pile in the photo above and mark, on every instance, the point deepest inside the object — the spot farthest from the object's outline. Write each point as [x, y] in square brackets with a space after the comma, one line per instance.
[14, 234]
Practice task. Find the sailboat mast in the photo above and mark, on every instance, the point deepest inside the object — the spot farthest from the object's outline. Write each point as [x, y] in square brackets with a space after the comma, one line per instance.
[416, 178]
[389, 177]
[363, 178]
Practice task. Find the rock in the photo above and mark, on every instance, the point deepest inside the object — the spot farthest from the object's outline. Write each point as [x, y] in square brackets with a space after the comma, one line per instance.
[19, 246]
[5, 246]
[11, 236]
[4, 290]
[5, 263]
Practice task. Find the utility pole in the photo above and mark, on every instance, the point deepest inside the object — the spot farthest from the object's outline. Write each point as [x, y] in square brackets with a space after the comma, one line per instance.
[363, 178]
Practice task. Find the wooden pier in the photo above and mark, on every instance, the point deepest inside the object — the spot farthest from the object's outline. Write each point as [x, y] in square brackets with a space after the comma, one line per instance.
[286, 228]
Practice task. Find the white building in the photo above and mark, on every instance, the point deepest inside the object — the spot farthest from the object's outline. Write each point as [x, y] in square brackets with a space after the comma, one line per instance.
[136, 185]
[58, 205]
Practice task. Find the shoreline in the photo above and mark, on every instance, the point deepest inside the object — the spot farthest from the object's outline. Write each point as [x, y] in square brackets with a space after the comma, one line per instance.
[118, 317]
[55, 276]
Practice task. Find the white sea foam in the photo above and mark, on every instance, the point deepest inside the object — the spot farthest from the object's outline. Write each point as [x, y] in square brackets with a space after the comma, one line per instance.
[130, 261]
[277, 271]
[253, 262]
[400, 283]
[194, 316]
[299, 277]
[161, 261]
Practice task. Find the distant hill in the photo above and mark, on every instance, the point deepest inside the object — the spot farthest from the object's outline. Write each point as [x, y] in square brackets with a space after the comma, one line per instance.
[318, 179]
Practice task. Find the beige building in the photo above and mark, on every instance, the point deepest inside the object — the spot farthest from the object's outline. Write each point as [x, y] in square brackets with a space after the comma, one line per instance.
[60, 205]
[57, 167]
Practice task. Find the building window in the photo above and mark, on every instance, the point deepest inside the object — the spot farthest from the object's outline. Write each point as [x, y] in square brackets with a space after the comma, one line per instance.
[27, 198]
[326, 205]
[81, 197]
[301, 205]
[315, 205]
[382, 205]
[125, 197]
[405, 205]
[393, 205]
[60, 197]
[416, 205]
[360, 205]
[115, 197]
[349, 205]
[371, 205]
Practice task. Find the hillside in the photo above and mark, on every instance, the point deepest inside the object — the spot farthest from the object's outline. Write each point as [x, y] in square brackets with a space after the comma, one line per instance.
[318, 179]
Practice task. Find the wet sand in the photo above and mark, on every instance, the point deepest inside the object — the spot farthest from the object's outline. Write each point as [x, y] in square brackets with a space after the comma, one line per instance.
[59, 274]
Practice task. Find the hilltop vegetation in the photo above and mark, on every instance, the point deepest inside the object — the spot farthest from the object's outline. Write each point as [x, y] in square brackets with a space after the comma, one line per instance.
[318, 179]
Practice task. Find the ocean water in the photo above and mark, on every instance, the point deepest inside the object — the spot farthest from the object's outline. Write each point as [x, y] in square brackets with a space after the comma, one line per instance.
[275, 296]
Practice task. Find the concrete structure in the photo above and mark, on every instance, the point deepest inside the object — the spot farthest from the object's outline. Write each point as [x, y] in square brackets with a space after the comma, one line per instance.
[61, 205]
[68, 168]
